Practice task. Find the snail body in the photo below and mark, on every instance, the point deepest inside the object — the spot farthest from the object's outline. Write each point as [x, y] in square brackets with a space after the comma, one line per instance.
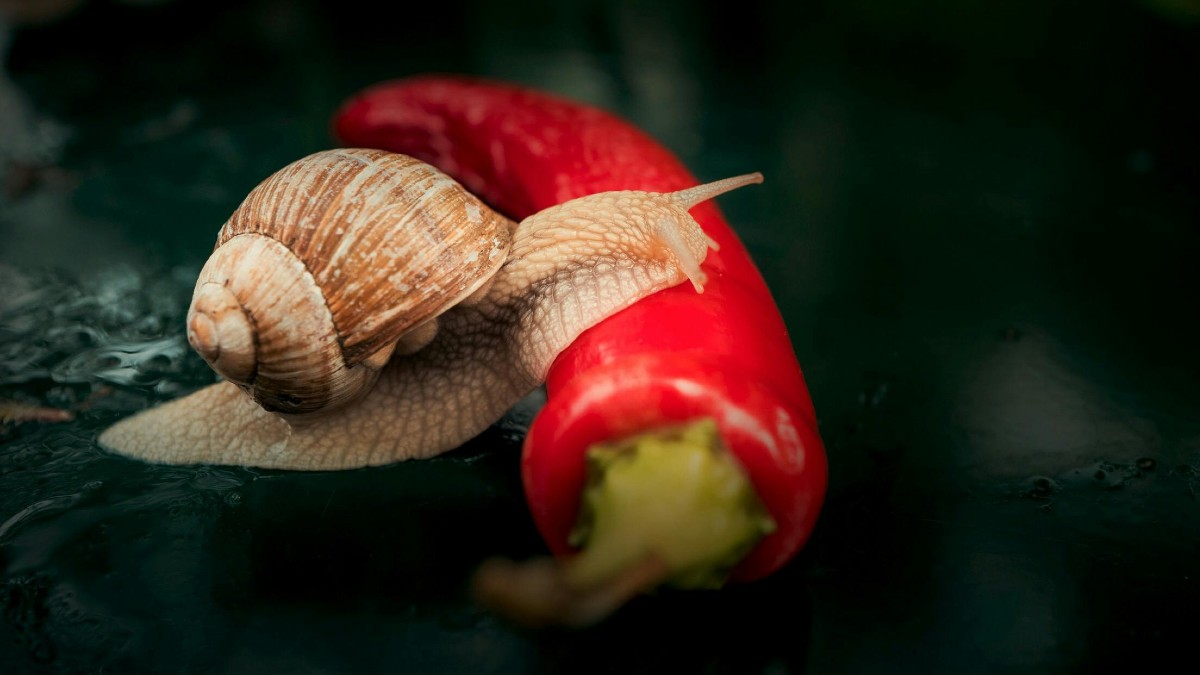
[422, 347]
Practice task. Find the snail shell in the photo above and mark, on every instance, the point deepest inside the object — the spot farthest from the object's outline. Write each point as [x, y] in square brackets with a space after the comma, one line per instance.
[327, 264]
[569, 267]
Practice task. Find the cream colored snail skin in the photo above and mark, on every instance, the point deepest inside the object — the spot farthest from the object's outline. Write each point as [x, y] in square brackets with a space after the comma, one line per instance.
[364, 309]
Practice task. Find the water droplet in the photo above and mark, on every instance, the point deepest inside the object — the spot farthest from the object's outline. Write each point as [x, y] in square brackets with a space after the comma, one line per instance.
[875, 391]
[124, 363]
[1040, 487]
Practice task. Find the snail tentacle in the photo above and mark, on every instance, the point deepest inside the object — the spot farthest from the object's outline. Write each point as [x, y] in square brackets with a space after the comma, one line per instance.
[569, 267]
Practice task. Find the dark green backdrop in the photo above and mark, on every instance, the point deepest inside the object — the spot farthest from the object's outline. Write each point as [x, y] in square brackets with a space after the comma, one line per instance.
[980, 221]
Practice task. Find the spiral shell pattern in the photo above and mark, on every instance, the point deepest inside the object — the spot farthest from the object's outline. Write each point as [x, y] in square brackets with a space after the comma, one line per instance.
[328, 263]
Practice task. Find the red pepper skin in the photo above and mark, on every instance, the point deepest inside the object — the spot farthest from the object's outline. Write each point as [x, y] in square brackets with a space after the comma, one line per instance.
[674, 356]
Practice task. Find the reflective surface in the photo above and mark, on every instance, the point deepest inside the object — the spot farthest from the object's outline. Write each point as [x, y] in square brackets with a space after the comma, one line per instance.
[980, 221]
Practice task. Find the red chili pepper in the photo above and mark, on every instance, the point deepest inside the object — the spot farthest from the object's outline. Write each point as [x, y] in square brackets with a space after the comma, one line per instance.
[674, 356]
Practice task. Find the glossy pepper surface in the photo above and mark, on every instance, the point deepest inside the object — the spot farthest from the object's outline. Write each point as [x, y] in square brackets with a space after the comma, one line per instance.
[672, 357]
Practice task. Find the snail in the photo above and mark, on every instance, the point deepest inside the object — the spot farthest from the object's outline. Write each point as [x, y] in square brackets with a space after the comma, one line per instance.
[275, 310]
[364, 308]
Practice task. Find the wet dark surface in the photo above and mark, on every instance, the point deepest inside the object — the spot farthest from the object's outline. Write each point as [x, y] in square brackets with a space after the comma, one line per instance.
[980, 221]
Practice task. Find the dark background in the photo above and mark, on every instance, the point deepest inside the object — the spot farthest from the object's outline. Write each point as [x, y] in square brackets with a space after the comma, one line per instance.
[980, 222]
